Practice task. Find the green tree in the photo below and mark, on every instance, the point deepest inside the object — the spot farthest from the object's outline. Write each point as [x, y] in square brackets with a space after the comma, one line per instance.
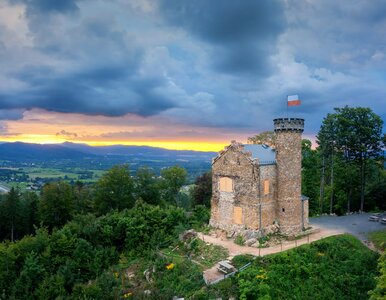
[82, 198]
[114, 190]
[360, 138]
[327, 140]
[56, 204]
[173, 179]
[30, 276]
[354, 135]
[202, 190]
[147, 186]
[310, 175]
[266, 137]
[11, 206]
[29, 207]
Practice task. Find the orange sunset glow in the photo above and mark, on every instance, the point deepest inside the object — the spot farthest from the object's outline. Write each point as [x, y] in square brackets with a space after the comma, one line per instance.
[38, 126]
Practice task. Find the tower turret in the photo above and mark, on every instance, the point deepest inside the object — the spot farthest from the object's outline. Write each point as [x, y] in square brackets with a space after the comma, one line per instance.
[288, 159]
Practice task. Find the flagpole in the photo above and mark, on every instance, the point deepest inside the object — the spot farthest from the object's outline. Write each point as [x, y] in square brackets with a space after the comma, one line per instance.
[286, 103]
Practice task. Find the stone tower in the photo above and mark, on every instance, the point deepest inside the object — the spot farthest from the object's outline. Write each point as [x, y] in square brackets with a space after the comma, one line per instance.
[288, 159]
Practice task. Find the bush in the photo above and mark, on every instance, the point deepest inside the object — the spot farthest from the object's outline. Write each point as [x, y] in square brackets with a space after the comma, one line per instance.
[239, 240]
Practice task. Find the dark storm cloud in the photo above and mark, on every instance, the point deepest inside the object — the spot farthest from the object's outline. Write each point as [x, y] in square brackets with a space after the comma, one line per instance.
[244, 33]
[47, 6]
[174, 58]
[112, 91]
[92, 67]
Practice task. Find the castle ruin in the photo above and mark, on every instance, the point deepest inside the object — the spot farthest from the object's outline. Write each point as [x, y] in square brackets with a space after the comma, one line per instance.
[257, 186]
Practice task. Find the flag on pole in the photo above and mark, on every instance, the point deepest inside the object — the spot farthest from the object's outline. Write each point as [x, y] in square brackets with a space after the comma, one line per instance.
[293, 100]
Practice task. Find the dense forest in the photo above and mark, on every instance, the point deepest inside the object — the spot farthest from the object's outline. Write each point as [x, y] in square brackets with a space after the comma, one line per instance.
[114, 239]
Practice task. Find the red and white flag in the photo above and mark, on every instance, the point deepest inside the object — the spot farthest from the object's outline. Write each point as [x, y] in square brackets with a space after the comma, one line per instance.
[293, 100]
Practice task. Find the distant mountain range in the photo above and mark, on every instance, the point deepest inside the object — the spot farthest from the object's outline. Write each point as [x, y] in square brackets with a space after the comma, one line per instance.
[26, 151]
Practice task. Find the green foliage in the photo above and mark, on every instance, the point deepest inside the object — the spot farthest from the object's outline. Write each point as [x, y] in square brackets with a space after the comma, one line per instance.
[82, 198]
[56, 205]
[147, 186]
[379, 293]
[74, 261]
[202, 190]
[266, 137]
[173, 179]
[114, 190]
[350, 141]
[379, 239]
[310, 176]
[239, 240]
[200, 217]
[333, 268]
[11, 212]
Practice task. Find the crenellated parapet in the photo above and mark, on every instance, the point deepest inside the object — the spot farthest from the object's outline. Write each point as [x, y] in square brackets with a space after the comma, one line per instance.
[289, 124]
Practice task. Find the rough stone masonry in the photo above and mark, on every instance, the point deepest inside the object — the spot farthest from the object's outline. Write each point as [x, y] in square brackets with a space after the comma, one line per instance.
[258, 188]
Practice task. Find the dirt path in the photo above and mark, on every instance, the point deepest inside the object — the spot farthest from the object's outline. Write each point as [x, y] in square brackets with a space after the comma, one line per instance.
[235, 249]
[213, 275]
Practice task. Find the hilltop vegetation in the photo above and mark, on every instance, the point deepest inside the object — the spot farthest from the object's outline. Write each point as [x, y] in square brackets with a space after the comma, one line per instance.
[119, 237]
[120, 256]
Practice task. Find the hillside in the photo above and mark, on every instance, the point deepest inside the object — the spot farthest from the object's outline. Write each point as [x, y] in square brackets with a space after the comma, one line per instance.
[25, 151]
[135, 150]
[19, 151]
[123, 255]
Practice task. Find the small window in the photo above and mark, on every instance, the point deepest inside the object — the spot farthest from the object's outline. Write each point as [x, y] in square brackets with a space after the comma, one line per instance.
[266, 187]
[283, 210]
[238, 215]
[225, 184]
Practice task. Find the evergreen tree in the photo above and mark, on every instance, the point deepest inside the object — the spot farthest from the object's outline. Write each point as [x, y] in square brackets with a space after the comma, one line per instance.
[11, 207]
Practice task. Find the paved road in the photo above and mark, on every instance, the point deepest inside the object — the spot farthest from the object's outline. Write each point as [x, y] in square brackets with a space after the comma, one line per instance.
[357, 224]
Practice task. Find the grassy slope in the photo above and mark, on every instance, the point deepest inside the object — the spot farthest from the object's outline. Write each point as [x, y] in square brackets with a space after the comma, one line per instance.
[334, 268]
[339, 267]
[379, 239]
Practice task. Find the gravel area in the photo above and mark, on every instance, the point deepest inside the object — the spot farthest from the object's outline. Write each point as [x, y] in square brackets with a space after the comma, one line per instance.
[356, 224]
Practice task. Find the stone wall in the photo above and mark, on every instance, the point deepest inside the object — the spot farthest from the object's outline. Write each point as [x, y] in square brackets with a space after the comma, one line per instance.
[268, 200]
[261, 195]
[248, 191]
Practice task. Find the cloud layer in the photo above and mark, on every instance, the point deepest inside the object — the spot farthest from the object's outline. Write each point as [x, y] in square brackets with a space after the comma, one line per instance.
[215, 64]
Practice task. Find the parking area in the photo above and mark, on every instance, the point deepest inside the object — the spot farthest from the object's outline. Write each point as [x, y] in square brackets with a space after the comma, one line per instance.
[356, 224]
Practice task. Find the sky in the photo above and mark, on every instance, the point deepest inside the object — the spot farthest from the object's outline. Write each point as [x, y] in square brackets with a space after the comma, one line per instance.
[183, 74]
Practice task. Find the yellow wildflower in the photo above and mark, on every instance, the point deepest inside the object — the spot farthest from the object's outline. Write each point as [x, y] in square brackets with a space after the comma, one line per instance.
[127, 295]
[261, 276]
[170, 266]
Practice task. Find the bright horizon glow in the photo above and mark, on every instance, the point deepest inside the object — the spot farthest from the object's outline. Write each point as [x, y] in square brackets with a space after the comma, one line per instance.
[171, 145]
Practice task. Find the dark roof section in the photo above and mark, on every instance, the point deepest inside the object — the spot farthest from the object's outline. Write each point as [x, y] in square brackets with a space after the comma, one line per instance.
[264, 153]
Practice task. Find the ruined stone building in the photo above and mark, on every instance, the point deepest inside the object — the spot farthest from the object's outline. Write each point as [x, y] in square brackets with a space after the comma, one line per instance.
[256, 186]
